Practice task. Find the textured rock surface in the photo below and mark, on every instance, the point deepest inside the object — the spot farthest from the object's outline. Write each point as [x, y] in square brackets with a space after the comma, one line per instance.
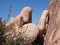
[26, 13]
[43, 22]
[30, 32]
[20, 30]
[42, 25]
[24, 17]
[53, 31]
[25, 35]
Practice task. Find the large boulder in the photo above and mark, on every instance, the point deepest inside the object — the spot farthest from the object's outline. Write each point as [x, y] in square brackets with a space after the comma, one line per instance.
[43, 22]
[26, 13]
[13, 28]
[42, 25]
[24, 17]
[53, 31]
[30, 32]
[24, 36]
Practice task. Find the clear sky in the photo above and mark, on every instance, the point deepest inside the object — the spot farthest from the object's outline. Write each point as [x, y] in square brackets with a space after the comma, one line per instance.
[38, 6]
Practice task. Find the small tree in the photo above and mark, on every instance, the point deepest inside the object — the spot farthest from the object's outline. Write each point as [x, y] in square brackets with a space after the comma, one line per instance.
[2, 38]
[2, 26]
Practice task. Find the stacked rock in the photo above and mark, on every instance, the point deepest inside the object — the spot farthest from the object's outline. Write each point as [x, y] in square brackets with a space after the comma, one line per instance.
[22, 31]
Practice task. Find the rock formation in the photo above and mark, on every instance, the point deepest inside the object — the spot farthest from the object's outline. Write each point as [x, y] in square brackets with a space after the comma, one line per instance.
[42, 25]
[26, 33]
[43, 22]
[53, 31]
[21, 30]
[26, 13]
[29, 32]
[23, 18]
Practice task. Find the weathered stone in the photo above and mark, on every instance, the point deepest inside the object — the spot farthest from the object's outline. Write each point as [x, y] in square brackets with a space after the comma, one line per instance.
[30, 32]
[27, 33]
[13, 28]
[42, 25]
[24, 17]
[43, 22]
[26, 13]
[53, 31]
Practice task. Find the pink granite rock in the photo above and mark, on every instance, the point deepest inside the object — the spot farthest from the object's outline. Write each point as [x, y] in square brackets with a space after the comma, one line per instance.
[24, 17]
[43, 23]
[27, 33]
[53, 31]
[30, 32]
[26, 13]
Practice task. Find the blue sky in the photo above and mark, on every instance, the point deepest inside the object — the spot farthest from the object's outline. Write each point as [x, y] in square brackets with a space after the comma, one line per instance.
[37, 7]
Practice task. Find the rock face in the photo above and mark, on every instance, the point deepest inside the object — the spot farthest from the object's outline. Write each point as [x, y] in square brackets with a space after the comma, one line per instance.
[25, 35]
[26, 13]
[29, 32]
[43, 21]
[20, 30]
[53, 31]
[42, 25]
[24, 17]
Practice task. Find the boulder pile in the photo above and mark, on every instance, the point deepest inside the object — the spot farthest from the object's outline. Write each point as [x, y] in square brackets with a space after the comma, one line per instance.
[21, 31]
[22, 28]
